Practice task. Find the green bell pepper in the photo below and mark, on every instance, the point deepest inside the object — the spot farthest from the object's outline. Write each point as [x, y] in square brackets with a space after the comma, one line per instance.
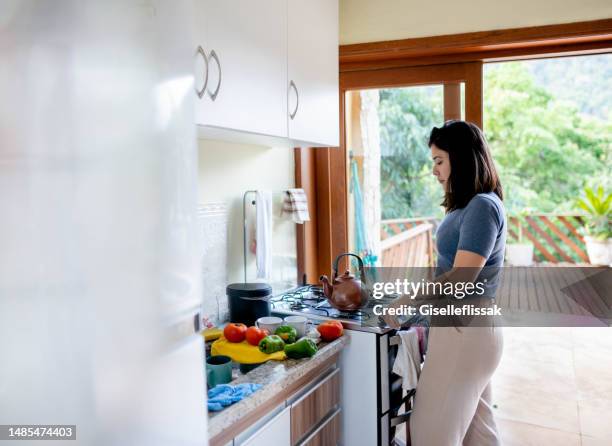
[304, 348]
[287, 333]
[271, 344]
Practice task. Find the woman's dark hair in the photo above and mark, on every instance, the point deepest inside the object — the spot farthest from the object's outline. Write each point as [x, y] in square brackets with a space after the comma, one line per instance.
[472, 168]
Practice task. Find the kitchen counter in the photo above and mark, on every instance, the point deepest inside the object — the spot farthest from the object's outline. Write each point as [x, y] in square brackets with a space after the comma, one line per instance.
[276, 378]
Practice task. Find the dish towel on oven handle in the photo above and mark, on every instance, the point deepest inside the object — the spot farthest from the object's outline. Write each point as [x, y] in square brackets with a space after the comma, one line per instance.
[408, 360]
[263, 234]
[296, 204]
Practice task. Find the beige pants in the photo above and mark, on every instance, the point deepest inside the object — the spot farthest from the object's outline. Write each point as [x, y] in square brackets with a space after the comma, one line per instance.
[453, 400]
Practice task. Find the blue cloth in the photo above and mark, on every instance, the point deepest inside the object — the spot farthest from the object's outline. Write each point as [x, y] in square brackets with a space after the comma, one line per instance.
[479, 227]
[224, 395]
[362, 243]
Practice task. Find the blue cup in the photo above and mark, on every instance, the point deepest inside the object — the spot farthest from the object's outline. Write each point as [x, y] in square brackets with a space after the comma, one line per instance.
[218, 370]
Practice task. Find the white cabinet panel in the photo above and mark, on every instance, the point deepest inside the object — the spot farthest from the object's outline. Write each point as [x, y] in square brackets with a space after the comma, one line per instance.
[247, 56]
[201, 51]
[313, 68]
[358, 390]
[277, 432]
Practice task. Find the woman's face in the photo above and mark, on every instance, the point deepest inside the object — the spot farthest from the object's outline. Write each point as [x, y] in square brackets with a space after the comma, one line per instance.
[441, 165]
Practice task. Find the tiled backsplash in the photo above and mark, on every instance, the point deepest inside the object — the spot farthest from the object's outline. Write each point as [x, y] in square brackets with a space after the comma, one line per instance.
[213, 219]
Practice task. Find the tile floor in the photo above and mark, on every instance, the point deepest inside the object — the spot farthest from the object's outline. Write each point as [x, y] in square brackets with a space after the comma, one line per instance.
[554, 387]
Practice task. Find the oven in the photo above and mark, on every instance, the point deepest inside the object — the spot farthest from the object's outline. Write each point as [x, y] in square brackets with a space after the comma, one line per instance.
[371, 393]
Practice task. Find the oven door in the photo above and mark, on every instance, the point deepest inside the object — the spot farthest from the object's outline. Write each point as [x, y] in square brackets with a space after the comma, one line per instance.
[390, 387]
[397, 416]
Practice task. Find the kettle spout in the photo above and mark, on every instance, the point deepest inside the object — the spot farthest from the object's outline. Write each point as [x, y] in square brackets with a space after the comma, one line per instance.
[328, 288]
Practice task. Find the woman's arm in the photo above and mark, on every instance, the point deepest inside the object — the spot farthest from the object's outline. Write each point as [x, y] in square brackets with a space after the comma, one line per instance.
[468, 259]
[478, 233]
[466, 267]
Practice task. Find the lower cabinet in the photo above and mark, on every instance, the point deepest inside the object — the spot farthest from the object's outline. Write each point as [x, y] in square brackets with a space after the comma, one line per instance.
[312, 407]
[327, 434]
[276, 432]
[308, 417]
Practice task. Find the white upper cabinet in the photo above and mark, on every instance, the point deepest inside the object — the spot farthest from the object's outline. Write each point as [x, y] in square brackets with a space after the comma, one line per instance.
[246, 46]
[313, 71]
[201, 52]
[267, 71]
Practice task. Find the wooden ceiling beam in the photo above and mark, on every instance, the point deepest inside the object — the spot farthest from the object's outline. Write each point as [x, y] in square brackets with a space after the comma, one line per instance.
[572, 38]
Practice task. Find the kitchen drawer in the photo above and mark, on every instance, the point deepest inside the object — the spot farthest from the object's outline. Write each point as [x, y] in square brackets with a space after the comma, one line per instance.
[274, 433]
[314, 405]
[327, 434]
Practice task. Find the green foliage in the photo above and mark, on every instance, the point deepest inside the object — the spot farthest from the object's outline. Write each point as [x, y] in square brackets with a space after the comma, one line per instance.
[546, 147]
[598, 207]
[406, 117]
[545, 150]
[520, 222]
[585, 81]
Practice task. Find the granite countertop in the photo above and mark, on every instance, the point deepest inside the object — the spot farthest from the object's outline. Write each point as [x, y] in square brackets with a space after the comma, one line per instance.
[274, 377]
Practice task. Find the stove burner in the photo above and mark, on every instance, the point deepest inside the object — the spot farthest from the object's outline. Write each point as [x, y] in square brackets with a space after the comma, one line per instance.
[357, 315]
[310, 299]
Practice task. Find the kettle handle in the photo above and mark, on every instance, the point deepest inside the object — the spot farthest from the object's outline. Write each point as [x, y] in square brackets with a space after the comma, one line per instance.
[359, 261]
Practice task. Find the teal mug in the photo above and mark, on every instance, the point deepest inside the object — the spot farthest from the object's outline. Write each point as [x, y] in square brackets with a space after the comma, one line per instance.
[218, 370]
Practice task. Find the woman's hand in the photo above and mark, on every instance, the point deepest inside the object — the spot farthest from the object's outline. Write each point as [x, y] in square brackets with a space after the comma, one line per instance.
[392, 321]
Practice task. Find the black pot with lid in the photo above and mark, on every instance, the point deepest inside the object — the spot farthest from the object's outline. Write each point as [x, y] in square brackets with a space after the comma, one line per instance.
[248, 301]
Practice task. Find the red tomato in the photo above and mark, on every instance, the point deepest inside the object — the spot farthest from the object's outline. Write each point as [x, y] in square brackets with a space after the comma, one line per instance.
[235, 332]
[255, 334]
[330, 330]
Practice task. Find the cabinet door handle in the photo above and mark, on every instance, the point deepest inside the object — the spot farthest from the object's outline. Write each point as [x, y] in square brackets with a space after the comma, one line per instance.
[201, 92]
[213, 56]
[297, 99]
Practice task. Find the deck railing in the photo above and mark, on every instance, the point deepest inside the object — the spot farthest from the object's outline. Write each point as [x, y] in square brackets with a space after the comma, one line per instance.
[556, 238]
[396, 226]
[410, 248]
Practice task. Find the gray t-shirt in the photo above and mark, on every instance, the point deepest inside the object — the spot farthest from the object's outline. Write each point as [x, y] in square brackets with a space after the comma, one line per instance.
[479, 227]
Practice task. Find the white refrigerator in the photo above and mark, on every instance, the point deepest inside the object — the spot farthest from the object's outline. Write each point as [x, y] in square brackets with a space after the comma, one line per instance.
[99, 249]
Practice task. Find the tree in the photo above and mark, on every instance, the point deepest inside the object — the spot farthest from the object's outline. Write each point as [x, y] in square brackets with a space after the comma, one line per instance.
[545, 150]
[407, 116]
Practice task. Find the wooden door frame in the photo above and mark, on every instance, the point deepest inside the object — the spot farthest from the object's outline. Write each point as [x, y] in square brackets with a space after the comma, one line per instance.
[447, 60]
[447, 74]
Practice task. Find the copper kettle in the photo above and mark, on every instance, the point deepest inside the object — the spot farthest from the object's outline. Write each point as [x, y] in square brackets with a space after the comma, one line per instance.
[346, 293]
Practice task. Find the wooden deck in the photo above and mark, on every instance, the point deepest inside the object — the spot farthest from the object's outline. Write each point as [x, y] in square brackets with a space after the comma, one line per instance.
[568, 290]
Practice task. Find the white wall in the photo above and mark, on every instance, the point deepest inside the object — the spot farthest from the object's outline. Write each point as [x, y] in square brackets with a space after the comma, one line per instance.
[377, 20]
[227, 170]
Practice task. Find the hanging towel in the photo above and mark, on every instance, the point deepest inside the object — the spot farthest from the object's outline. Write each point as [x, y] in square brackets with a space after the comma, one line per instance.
[422, 336]
[224, 395]
[296, 204]
[408, 360]
[263, 234]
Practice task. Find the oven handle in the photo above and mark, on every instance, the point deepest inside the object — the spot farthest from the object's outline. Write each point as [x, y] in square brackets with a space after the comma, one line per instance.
[400, 418]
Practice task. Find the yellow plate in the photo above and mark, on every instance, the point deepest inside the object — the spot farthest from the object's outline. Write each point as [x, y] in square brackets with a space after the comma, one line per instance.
[210, 334]
[243, 352]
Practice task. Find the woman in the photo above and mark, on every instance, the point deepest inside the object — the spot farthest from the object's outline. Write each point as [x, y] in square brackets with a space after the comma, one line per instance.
[453, 400]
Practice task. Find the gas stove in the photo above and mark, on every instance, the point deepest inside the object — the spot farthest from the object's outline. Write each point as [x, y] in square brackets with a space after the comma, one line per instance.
[371, 393]
[309, 301]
